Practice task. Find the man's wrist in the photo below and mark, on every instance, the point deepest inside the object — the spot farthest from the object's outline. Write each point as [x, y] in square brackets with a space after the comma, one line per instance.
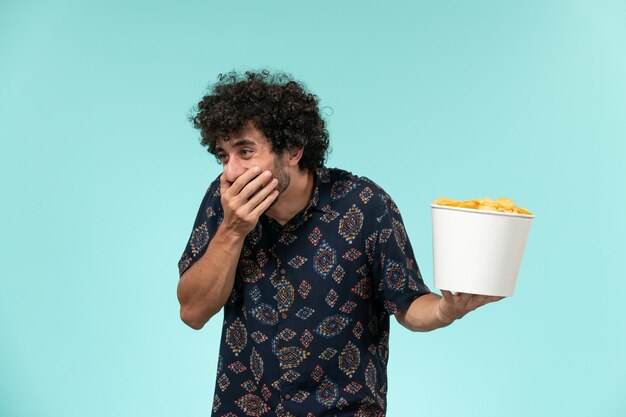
[230, 235]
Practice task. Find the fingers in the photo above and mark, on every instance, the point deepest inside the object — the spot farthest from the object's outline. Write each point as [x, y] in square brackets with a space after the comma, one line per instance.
[255, 185]
[243, 180]
[477, 301]
[224, 185]
[264, 205]
[492, 299]
[257, 198]
[459, 304]
[446, 294]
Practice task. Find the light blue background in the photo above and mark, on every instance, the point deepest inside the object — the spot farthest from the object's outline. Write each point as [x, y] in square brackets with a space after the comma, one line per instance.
[102, 176]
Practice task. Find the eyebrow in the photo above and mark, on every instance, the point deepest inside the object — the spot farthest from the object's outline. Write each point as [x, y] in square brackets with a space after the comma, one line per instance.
[239, 143]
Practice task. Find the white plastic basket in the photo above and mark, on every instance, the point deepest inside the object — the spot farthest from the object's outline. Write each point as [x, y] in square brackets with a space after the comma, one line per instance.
[478, 251]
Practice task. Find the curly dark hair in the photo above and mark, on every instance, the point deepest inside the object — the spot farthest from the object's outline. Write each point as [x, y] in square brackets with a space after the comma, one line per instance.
[278, 106]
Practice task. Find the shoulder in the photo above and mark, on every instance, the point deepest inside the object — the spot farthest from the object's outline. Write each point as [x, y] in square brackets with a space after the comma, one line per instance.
[214, 188]
[349, 186]
[212, 201]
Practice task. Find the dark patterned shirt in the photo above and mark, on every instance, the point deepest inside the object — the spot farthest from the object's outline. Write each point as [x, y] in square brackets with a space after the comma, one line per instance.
[306, 327]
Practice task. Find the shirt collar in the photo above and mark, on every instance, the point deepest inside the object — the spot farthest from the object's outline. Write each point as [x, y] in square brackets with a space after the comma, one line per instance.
[320, 199]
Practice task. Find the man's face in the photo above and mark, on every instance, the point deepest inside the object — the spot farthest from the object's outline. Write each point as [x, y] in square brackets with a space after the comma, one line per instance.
[247, 149]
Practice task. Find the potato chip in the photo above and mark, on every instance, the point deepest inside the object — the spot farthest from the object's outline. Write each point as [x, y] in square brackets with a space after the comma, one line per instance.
[501, 204]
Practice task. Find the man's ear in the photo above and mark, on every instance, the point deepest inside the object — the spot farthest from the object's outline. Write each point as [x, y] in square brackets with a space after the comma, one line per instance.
[295, 155]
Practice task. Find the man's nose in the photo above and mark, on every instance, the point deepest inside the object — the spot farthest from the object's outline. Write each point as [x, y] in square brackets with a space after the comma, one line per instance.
[233, 169]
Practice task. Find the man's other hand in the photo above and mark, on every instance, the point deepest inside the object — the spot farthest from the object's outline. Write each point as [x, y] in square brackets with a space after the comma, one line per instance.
[454, 306]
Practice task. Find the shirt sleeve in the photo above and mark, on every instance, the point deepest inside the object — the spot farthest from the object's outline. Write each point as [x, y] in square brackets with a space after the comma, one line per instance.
[209, 217]
[397, 280]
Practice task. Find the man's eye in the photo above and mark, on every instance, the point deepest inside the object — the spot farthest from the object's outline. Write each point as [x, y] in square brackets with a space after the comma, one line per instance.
[246, 152]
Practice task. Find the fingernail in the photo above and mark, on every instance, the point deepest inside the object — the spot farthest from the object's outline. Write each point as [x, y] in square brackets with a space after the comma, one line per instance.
[267, 173]
[256, 170]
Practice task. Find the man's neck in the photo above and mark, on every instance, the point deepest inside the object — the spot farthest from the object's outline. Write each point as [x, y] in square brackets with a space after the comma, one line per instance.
[295, 198]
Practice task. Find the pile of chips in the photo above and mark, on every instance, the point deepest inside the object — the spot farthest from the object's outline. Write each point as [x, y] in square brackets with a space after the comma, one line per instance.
[501, 204]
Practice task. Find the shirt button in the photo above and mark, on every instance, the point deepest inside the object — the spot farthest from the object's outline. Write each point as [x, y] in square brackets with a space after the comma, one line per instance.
[283, 272]
[287, 397]
[284, 316]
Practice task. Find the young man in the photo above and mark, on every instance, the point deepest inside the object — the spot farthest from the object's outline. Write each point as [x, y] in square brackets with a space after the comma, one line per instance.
[308, 262]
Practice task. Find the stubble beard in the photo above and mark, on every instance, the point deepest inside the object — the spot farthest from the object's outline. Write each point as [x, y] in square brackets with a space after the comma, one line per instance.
[283, 178]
